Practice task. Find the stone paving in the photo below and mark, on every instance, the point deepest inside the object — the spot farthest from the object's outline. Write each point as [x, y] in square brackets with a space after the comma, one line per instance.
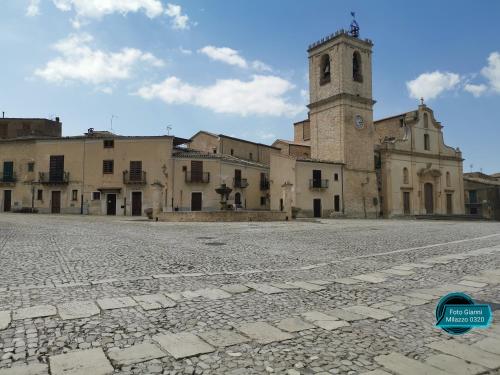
[93, 295]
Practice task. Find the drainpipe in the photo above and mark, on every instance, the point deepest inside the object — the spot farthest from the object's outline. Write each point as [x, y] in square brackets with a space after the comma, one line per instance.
[342, 176]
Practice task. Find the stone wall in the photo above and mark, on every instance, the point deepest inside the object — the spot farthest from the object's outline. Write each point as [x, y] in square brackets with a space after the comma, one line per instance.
[222, 216]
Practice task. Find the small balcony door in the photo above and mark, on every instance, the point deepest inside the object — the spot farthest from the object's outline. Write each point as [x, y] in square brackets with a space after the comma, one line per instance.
[8, 171]
[56, 168]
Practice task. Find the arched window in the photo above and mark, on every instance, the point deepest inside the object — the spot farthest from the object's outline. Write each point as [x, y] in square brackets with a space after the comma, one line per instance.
[356, 67]
[426, 120]
[324, 69]
[448, 179]
[406, 176]
[237, 199]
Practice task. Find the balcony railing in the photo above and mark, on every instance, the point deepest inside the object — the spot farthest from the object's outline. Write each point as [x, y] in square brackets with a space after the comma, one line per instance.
[240, 183]
[7, 179]
[53, 178]
[197, 177]
[134, 178]
[264, 185]
[318, 184]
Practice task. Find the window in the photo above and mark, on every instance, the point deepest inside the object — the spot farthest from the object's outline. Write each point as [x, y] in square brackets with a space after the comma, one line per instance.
[472, 196]
[325, 70]
[316, 180]
[356, 67]
[109, 143]
[74, 195]
[135, 170]
[214, 150]
[250, 156]
[232, 152]
[427, 142]
[262, 201]
[406, 177]
[237, 199]
[39, 195]
[8, 171]
[336, 203]
[426, 120]
[448, 179]
[108, 166]
[31, 166]
[336, 177]
[96, 195]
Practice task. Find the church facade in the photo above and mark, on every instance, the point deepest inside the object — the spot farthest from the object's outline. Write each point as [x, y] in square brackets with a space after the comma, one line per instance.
[398, 166]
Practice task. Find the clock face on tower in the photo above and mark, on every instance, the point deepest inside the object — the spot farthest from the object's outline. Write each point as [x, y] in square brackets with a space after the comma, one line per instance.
[359, 122]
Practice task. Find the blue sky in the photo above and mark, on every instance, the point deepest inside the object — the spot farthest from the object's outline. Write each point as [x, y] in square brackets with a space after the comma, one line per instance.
[240, 67]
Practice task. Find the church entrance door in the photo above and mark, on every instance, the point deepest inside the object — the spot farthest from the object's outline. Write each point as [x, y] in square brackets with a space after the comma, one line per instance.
[429, 198]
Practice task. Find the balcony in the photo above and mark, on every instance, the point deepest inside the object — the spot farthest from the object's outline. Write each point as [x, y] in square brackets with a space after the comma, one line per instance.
[7, 179]
[197, 177]
[48, 178]
[240, 183]
[136, 178]
[318, 184]
[264, 185]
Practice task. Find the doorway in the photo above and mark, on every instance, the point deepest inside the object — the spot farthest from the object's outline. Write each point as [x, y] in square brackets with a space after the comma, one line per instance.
[449, 204]
[136, 203]
[406, 203]
[111, 204]
[7, 200]
[196, 201]
[56, 202]
[317, 207]
[429, 198]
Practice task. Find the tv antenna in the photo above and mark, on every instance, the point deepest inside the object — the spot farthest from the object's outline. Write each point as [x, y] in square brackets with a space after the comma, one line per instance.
[112, 117]
[168, 129]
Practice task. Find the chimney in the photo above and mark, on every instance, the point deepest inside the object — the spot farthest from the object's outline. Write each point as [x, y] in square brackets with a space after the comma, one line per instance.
[57, 119]
[3, 114]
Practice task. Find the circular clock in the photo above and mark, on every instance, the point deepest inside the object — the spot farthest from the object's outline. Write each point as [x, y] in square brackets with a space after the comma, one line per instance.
[359, 122]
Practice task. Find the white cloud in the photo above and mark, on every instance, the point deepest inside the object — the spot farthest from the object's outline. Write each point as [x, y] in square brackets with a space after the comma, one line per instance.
[224, 54]
[492, 71]
[431, 85]
[33, 8]
[232, 57]
[80, 62]
[476, 90]
[179, 20]
[265, 136]
[185, 51]
[99, 8]
[262, 95]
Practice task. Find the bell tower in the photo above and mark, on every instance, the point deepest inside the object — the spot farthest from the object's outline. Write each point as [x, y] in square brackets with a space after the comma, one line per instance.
[341, 114]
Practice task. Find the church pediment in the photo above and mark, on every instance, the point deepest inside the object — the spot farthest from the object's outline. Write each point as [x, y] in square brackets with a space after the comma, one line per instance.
[428, 171]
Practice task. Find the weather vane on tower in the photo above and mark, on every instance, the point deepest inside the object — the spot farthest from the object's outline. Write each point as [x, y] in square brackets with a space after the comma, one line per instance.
[354, 26]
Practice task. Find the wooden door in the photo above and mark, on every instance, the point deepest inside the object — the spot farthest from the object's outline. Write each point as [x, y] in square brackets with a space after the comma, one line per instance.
[56, 202]
[7, 200]
[196, 201]
[449, 204]
[429, 198]
[406, 203]
[56, 168]
[317, 207]
[136, 203]
[196, 170]
[111, 204]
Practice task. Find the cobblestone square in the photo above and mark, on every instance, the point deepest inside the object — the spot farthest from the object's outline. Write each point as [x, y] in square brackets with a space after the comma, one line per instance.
[116, 295]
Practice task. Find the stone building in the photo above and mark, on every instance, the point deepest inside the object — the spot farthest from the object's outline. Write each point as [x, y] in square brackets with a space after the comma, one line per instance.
[482, 195]
[29, 127]
[391, 167]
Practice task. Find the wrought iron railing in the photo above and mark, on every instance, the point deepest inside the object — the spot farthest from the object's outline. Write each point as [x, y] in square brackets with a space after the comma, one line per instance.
[318, 184]
[53, 178]
[138, 178]
[240, 183]
[197, 177]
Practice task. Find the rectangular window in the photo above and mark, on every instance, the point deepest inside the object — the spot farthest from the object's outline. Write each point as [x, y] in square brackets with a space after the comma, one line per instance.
[96, 195]
[74, 195]
[108, 166]
[109, 143]
[427, 143]
[39, 195]
[472, 196]
[8, 170]
[336, 203]
[250, 156]
[262, 201]
[31, 167]
[336, 176]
